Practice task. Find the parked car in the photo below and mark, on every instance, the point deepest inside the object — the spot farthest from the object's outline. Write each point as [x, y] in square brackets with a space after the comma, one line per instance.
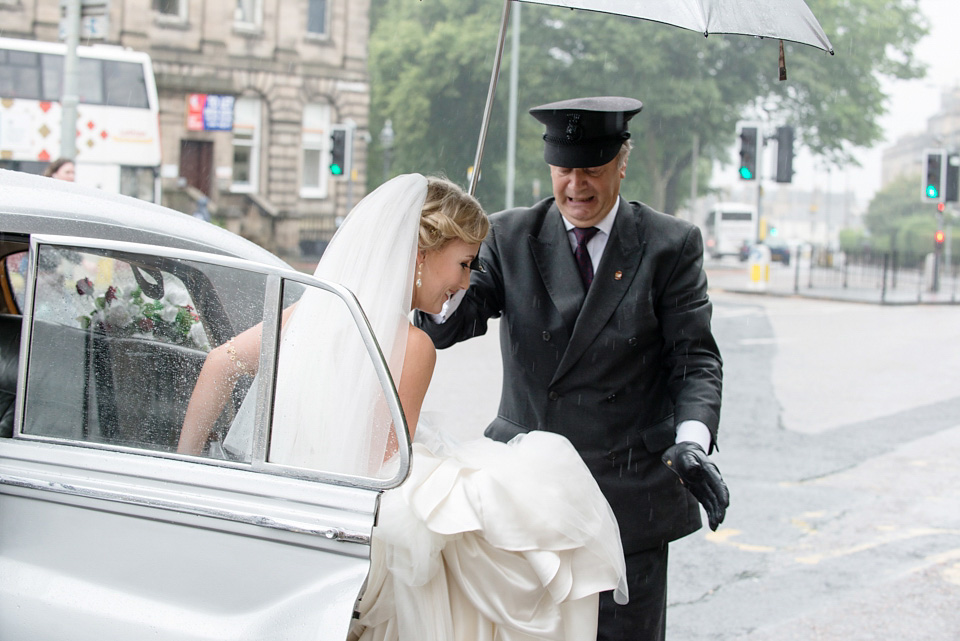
[108, 306]
[779, 250]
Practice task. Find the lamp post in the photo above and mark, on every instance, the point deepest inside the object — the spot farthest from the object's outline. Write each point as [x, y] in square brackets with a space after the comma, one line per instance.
[386, 143]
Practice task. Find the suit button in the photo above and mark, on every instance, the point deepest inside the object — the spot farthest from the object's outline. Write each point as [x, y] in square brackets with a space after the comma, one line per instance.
[553, 396]
[611, 398]
[632, 342]
[546, 336]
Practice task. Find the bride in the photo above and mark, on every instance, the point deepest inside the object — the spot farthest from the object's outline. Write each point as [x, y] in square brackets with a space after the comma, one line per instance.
[485, 540]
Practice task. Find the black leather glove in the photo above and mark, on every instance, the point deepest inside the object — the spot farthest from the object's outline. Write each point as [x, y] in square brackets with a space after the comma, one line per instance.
[701, 477]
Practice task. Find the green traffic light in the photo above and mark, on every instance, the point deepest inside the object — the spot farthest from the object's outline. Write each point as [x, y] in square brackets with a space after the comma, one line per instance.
[336, 170]
[932, 191]
[745, 173]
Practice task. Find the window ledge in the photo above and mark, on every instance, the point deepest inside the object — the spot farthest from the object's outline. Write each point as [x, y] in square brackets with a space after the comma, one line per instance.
[247, 30]
[169, 22]
[313, 194]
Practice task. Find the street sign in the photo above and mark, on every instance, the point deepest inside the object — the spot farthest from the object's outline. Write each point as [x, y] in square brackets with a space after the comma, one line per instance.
[94, 19]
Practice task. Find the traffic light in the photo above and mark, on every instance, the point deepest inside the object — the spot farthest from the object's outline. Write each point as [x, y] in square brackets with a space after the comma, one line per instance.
[933, 175]
[938, 238]
[784, 154]
[951, 190]
[748, 153]
[338, 151]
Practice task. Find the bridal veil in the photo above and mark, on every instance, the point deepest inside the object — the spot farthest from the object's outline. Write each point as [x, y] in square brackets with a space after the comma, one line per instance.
[329, 412]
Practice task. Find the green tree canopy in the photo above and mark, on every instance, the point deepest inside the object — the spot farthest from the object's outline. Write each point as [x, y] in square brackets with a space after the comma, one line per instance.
[430, 63]
[898, 219]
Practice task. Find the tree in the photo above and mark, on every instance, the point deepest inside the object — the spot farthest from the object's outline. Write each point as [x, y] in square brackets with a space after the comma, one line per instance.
[898, 220]
[430, 63]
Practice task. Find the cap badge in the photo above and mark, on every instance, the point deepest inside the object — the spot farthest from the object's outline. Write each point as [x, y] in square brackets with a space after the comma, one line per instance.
[574, 129]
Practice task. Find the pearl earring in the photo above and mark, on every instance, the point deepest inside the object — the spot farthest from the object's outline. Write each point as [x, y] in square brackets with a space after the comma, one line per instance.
[419, 282]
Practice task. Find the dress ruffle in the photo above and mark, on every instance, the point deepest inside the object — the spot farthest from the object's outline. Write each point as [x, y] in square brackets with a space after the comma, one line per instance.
[494, 542]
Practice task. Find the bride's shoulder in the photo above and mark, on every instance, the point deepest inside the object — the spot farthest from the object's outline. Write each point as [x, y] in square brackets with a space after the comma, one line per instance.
[420, 346]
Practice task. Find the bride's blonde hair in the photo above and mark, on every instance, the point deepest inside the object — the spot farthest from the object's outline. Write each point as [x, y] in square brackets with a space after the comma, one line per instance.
[448, 213]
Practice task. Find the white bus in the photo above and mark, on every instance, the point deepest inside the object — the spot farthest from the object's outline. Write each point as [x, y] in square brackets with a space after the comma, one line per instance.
[118, 127]
[728, 227]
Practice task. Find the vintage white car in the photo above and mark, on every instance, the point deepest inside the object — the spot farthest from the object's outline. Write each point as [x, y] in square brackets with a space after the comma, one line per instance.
[108, 306]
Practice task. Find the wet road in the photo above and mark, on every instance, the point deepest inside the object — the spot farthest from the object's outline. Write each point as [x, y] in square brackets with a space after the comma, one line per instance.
[840, 440]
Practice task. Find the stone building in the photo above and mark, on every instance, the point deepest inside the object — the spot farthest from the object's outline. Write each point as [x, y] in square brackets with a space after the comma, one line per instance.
[905, 156]
[283, 71]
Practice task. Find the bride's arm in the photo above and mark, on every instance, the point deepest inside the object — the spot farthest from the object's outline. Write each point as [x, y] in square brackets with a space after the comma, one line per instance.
[221, 369]
[418, 363]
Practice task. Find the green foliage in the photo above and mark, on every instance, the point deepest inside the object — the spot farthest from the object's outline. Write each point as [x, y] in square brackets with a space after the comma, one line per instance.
[896, 210]
[430, 64]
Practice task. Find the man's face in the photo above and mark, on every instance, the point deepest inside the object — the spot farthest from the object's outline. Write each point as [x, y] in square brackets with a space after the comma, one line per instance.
[584, 196]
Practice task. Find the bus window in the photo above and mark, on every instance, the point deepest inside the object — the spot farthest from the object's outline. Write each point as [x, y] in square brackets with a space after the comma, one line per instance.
[118, 148]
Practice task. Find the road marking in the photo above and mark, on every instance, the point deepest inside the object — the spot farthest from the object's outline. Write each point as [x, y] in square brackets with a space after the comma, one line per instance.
[722, 537]
[814, 559]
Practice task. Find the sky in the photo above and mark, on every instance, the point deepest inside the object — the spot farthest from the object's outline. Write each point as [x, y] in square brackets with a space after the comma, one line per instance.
[910, 104]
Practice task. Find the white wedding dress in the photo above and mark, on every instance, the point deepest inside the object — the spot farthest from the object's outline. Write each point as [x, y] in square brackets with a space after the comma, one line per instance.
[484, 541]
[491, 541]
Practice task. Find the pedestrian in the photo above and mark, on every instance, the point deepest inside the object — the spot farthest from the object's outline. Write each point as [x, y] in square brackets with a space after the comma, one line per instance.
[61, 169]
[606, 339]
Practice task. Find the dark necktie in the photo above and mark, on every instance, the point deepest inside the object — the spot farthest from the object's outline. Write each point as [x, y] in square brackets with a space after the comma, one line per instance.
[582, 255]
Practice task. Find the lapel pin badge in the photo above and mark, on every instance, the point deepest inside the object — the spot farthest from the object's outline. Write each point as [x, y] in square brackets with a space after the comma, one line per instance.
[618, 275]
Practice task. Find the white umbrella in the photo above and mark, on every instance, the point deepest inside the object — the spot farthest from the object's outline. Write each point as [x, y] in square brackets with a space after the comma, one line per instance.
[788, 20]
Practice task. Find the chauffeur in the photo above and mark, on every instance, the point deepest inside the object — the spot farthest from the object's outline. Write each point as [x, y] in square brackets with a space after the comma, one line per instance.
[606, 340]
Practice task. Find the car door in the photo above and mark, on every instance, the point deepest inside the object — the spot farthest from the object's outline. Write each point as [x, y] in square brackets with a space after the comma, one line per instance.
[106, 532]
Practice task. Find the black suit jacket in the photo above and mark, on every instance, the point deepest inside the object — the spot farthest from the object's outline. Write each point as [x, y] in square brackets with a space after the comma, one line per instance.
[614, 370]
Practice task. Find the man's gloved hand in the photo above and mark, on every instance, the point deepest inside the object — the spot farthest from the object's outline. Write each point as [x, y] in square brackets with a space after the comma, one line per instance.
[701, 477]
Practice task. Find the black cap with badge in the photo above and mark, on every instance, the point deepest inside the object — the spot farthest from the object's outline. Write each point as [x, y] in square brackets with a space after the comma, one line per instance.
[585, 132]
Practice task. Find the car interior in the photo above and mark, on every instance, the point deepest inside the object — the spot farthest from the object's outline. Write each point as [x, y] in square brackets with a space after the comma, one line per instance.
[97, 383]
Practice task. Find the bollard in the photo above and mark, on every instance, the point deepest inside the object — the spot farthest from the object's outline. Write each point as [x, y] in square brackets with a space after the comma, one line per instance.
[758, 266]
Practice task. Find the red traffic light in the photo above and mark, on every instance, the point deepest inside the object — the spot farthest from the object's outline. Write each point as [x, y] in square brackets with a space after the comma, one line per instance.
[939, 236]
[941, 207]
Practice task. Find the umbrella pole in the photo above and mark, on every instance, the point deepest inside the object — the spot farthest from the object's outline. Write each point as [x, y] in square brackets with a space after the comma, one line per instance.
[488, 108]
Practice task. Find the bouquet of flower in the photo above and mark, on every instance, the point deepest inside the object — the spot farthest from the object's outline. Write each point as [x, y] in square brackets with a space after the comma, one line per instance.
[128, 313]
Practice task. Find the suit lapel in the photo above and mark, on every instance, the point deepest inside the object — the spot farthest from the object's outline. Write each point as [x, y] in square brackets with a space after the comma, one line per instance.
[558, 267]
[619, 265]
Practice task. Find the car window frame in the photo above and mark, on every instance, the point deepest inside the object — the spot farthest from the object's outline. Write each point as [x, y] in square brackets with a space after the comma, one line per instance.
[275, 279]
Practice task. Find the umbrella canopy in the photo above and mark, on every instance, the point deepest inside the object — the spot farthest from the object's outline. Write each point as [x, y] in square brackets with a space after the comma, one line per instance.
[788, 20]
[781, 19]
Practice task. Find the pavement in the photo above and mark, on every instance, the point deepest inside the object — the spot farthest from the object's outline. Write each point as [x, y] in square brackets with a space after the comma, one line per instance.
[855, 285]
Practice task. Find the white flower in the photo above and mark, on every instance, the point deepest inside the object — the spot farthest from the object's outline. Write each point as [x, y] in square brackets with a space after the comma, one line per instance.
[169, 313]
[199, 337]
[118, 314]
[177, 297]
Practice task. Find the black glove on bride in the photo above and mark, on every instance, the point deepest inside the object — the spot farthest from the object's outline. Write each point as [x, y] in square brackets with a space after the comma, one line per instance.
[702, 478]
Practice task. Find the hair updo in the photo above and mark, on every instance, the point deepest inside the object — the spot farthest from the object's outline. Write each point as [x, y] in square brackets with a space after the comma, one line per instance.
[450, 213]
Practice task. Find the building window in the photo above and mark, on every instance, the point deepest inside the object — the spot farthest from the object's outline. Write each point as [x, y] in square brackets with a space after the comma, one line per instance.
[247, 13]
[175, 10]
[246, 144]
[317, 17]
[315, 145]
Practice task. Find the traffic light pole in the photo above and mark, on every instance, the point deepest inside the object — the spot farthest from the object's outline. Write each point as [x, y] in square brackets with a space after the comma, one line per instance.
[937, 251]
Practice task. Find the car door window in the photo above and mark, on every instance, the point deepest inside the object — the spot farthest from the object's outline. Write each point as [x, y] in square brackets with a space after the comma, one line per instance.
[118, 337]
[117, 343]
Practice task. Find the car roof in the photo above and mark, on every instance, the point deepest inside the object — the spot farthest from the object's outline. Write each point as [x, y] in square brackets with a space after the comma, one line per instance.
[32, 204]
